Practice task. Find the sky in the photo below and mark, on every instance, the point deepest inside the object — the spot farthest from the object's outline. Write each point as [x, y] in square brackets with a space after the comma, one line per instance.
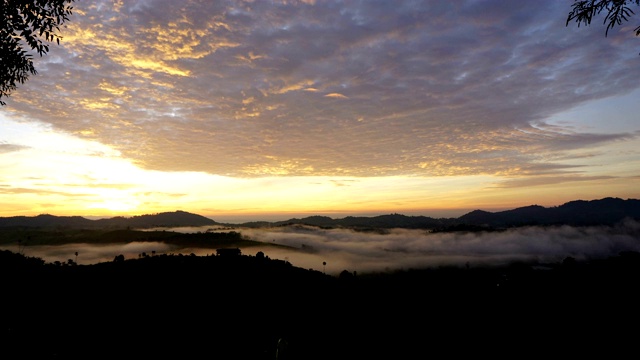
[268, 110]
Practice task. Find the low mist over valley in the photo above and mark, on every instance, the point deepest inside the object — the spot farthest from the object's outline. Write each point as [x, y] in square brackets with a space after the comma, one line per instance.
[582, 230]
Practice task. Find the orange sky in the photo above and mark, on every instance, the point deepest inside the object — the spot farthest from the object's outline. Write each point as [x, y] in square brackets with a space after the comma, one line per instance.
[272, 110]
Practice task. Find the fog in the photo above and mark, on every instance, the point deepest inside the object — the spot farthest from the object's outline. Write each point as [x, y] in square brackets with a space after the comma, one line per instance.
[394, 249]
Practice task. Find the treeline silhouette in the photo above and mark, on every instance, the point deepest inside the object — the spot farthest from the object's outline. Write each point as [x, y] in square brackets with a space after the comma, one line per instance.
[236, 306]
[208, 240]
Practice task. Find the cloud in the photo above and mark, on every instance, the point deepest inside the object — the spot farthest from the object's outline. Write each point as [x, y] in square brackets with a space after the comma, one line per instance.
[90, 253]
[546, 180]
[39, 192]
[232, 87]
[403, 249]
[395, 249]
[336, 96]
[6, 148]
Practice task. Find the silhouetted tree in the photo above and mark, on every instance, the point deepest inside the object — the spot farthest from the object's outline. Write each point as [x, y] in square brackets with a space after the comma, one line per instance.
[345, 275]
[569, 261]
[118, 258]
[31, 23]
[616, 12]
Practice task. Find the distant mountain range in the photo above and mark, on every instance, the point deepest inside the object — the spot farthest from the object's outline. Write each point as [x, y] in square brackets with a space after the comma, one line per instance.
[606, 211]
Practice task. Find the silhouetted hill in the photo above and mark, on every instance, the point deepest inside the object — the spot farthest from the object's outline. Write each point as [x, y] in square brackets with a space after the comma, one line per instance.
[166, 219]
[375, 222]
[46, 221]
[528, 215]
[606, 211]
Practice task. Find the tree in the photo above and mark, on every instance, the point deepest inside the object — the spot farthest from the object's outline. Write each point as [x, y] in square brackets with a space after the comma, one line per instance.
[617, 12]
[27, 24]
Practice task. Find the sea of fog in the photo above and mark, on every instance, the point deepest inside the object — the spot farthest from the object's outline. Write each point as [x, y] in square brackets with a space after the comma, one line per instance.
[335, 250]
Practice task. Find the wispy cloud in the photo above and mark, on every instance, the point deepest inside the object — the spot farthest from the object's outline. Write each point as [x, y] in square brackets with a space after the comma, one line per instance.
[546, 180]
[5, 148]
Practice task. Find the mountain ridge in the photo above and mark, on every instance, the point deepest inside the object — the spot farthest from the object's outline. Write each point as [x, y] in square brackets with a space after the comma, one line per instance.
[605, 211]
[164, 219]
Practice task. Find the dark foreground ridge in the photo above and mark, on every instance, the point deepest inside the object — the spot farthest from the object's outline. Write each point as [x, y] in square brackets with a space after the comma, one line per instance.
[233, 306]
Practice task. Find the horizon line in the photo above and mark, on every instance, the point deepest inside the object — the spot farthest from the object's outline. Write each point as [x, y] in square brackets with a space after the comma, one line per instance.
[277, 217]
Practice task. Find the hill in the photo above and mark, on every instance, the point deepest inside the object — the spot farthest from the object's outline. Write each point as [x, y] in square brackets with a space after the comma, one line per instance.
[606, 211]
[165, 219]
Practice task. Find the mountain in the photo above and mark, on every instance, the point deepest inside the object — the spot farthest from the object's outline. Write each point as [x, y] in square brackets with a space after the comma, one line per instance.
[606, 211]
[46, 221]
[165, 219]
[375, 222]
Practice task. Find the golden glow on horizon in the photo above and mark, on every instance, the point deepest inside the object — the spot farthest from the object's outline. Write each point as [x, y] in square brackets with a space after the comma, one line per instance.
[114, 206]
[58, 181]
[57, 173]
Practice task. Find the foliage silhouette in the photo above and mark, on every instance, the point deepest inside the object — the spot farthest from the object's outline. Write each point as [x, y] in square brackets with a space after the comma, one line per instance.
[33, 23]
[616, 12]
